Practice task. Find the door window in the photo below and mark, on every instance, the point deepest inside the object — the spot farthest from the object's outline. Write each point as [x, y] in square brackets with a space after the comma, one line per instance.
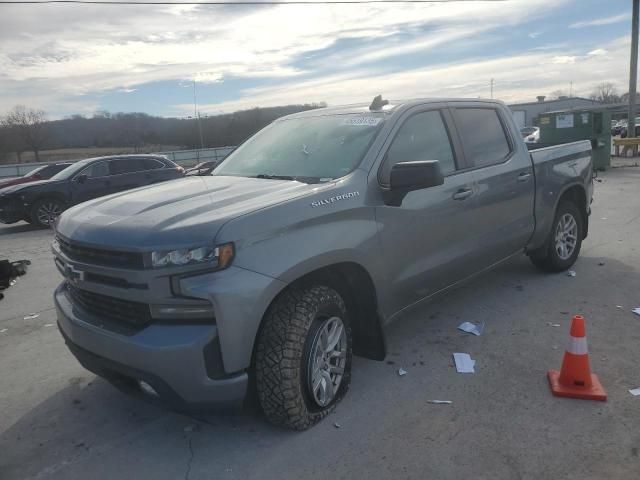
[483, 136]
[422, 136]
[126, 165]
[95, 170]
[151, 164]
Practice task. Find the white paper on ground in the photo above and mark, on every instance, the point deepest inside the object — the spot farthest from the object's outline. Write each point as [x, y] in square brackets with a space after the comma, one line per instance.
[474, 328]
[402, 372]
[464, 363]
[571, 273]
[31, 316]
[636, 310]
[440, 402]
[635, 392]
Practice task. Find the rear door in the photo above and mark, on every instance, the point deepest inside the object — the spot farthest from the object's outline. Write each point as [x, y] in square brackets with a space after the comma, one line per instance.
[92, 182]
[425, 241]
[503, 206]
[128, 173]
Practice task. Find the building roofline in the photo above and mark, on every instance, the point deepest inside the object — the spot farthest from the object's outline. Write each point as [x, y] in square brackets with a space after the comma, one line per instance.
[553, 101]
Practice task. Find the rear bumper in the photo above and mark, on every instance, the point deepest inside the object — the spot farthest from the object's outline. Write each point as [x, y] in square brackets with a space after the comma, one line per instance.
[169, 358]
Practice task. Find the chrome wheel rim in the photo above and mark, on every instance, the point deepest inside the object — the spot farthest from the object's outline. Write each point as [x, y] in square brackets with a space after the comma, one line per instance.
[566, 236]
[48, 212]
[327, 361]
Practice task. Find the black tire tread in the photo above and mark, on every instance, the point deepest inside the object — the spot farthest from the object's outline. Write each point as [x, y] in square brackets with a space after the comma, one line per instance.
[279, 357]
[544, 258]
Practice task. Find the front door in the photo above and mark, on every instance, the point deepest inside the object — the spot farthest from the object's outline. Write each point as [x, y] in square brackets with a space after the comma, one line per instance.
[92, 182]
[426, 242]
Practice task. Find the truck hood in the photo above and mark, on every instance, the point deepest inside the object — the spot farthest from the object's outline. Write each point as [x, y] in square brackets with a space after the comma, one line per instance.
[179, 213]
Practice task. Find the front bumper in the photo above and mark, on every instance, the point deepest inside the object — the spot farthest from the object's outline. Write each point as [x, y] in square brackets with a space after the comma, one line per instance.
[168, 357]
[10, 212]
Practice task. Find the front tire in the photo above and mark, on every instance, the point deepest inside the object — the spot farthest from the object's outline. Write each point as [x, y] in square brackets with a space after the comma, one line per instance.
[562, 248]
[45, 211]
[303, 357]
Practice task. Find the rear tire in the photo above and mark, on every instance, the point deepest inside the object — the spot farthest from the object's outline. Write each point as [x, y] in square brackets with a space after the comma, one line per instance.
[562, 247]
[303, 357]
[45, 211]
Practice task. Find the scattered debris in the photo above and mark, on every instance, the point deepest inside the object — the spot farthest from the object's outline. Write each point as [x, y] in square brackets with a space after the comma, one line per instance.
[440, 402]
[464, 363]
[600, 264]
[635, 392]
[636, 310]
[618, 306]
[474, 328]
[390, 362]
[31, 316]
[337, 425]
[553, 324]
[4, 330]
[564, 313]
[48, 324]
[402, 372]
[571, 273]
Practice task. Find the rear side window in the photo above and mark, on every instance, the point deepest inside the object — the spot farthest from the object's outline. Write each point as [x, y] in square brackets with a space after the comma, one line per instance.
[98, 169]
[483, 137]
[126, 165]
[152, 164]
[422, 136]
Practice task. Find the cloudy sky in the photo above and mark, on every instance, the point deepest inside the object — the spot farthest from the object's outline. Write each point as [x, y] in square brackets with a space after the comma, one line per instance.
[69, 59]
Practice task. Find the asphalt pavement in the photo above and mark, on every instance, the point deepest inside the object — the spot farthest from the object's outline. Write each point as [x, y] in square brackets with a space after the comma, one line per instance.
[61, 422]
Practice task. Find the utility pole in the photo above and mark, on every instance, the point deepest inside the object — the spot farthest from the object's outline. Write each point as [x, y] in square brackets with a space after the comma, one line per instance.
[492, 88]
[196, 114]
[633, 74]
[571, 89]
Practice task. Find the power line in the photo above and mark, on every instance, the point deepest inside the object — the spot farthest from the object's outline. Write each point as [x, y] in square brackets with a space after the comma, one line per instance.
[241, 2]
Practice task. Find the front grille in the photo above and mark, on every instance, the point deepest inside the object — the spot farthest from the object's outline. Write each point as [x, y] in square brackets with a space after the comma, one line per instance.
[96, 256]
[125, 312]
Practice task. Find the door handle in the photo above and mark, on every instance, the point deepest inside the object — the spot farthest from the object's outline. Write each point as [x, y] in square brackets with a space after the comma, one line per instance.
[462, 194]
[523, 177]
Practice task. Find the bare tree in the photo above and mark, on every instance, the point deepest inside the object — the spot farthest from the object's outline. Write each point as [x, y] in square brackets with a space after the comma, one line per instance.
[605, 92]
[30, 126]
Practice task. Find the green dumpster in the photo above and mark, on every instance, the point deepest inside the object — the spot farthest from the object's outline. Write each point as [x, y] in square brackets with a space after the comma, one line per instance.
[583, 124]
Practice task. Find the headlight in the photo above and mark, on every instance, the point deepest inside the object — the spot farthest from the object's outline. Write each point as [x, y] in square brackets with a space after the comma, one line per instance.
[218, 257]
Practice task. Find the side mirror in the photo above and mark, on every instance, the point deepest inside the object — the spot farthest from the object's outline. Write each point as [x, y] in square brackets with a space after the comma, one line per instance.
[81, 178]
[409, 176]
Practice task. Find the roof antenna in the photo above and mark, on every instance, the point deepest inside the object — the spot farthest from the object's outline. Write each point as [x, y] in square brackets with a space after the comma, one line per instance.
[378, 103]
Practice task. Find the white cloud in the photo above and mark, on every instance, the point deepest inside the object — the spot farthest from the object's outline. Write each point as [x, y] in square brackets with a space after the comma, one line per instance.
[597, 52]
[602, 21]
[563, 59]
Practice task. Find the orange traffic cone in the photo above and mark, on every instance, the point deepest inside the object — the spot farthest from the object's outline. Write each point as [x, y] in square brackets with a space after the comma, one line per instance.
[575, 379]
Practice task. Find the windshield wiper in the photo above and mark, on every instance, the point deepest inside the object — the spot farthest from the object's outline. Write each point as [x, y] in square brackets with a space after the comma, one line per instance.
[302, 179]
[275, 177]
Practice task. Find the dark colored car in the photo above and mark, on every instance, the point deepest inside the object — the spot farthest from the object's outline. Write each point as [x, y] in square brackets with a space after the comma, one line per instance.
[41, 202]
[44, 172]
[204, 168]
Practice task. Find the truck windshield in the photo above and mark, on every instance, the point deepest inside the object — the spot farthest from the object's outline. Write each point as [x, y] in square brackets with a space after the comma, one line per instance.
[307, 149]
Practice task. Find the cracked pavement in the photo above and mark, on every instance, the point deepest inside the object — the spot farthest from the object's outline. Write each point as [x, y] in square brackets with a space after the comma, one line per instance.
[61, 422]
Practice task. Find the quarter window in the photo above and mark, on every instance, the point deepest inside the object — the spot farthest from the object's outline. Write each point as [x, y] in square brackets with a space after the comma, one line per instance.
[422, 137]
[483, 136]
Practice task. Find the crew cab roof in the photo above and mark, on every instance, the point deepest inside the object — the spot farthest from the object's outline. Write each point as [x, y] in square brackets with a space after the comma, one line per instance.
[393, 106]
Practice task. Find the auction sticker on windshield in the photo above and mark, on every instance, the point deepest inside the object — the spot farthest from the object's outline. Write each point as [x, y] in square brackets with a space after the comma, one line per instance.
[362, 121]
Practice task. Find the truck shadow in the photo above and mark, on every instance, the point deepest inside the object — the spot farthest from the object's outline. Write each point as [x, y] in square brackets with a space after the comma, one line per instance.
[89, 426]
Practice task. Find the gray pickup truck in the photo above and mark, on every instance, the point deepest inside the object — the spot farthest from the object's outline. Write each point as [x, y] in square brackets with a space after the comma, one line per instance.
[303, 245]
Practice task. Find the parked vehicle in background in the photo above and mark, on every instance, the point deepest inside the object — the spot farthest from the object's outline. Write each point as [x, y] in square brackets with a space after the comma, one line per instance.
[533, 137]
[204, 168]
[41, 202]
[624, 129]
[40, 173]
[305, 242]
[617, 128]
[526, 131]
